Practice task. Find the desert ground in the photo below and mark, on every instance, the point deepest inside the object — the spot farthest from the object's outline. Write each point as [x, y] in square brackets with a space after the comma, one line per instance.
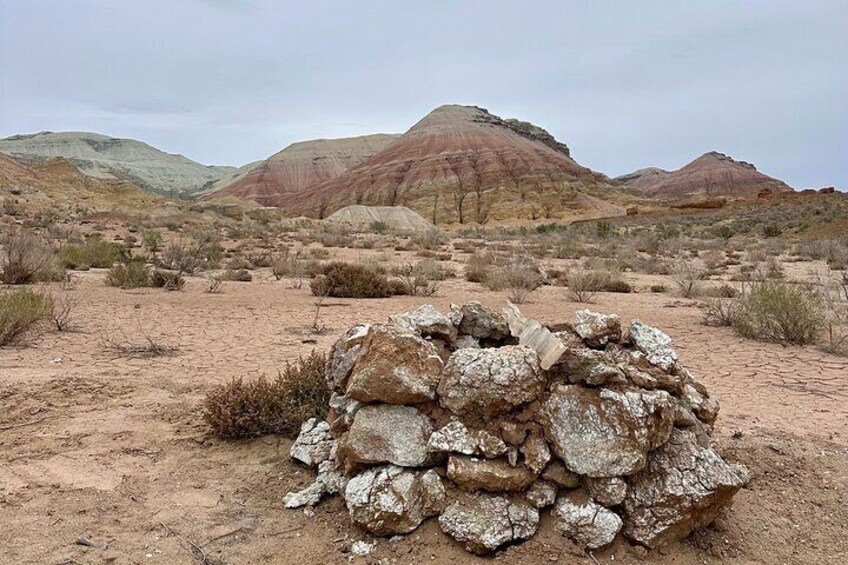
[106, 457]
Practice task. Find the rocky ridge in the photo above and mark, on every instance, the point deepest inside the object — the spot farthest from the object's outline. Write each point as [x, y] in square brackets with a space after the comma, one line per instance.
[487, 419]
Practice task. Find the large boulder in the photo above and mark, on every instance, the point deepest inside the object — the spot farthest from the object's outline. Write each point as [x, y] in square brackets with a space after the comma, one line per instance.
[396, 367]
[391, 500]
[603, 432]
[494, 475]
[683, 487]
[589, 524]
[383, 433]
[487, 382]
[482, 523]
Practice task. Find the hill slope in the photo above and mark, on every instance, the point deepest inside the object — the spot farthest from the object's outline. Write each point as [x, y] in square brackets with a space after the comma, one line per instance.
[124, 159]
[461, 164]
[301, 165]
[711, 174]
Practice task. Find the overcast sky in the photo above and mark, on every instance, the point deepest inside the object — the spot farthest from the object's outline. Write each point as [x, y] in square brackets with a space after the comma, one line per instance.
[625, 84]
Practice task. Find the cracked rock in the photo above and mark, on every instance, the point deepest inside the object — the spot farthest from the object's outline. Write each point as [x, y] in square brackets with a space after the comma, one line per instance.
[606, 433]
[607, 491]
[314, 444]
[386, 500]
[396, 367]
[655, 344]
[597, 330]
[487, 382]
[483, 523]
[541, 494]
[584, 521]
[329, 481]
[343, 355]
[426, 321]
[387, 434]
[456, 438]
[683, 487]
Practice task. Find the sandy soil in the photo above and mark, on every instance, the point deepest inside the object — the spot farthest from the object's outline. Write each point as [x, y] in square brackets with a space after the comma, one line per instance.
[112, 449]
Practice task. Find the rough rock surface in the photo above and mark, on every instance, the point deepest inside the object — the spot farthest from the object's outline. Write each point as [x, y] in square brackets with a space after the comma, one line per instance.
[394, 366]
[655, 344]
[483, 523]
[597, 329]
[390, 500]
[605, 433]
[494, 475]
[684, 487]
[426, 321]
[615, 433]
[486, 382]
[586, 522]
[314, 444]
[479, 322]
[384, 433]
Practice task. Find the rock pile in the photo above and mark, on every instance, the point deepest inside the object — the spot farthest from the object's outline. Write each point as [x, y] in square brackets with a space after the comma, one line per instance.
[485, 419]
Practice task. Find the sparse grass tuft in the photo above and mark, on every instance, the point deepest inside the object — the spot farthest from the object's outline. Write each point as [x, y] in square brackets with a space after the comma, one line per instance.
[22, 312]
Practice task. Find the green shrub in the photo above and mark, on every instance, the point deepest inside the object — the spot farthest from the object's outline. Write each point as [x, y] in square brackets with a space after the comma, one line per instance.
[348, 280]
[254, 408]
[132, 274]
[22, 312]
[779, 312]
[93, 253]
[152, 240]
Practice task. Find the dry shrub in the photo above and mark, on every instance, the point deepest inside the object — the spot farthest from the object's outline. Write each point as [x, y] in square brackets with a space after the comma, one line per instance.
[191, 256]
[834, 297]
[22, 312]
[64, 302]
[584, 283]
[169, 280]
[26, 258]
[131, 274]
[721, 311]
[349, 280]
[518, 276]
[421, 279]
[236, 275]
[687, 275]
[432, 238]
[242, 409]
[618, 285]
[779, 312]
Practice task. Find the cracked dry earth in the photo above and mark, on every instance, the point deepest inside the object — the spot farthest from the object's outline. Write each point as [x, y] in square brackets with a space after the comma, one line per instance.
[111, 452]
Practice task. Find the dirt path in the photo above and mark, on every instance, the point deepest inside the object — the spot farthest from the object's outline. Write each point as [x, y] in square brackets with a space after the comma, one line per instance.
[113, 449]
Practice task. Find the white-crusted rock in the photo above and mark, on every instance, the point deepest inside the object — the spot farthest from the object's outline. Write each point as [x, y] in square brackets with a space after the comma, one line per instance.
[383, 433]
[395, 367]
[597, 329]
[589, 524]
[343, 355]
[426, 321]
[683, 487]
[455, 437]
[541, 494]
[328, 482]
[483, 523]
[314, 443]
[607, 491]
[606, 433]
[479, 322]
[487, 382]
[494, 475]
[656, 345]
[386, 500]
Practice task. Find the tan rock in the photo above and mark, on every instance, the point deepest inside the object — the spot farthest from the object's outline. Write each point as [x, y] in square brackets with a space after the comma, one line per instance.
[394, 367]
[494, 475]
[556, 473]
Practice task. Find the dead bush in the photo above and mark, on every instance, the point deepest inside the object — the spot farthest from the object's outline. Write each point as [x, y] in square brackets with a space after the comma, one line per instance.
[584, 284]
[169, 280]
[64, 302]
[421, 279]
[348, 280]
[243, 409]
[779, 312]
[687, 275]
[833, 290]
[22, 312]
[518, 276]
[236, 275]
[192, 256]
[25, 258]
